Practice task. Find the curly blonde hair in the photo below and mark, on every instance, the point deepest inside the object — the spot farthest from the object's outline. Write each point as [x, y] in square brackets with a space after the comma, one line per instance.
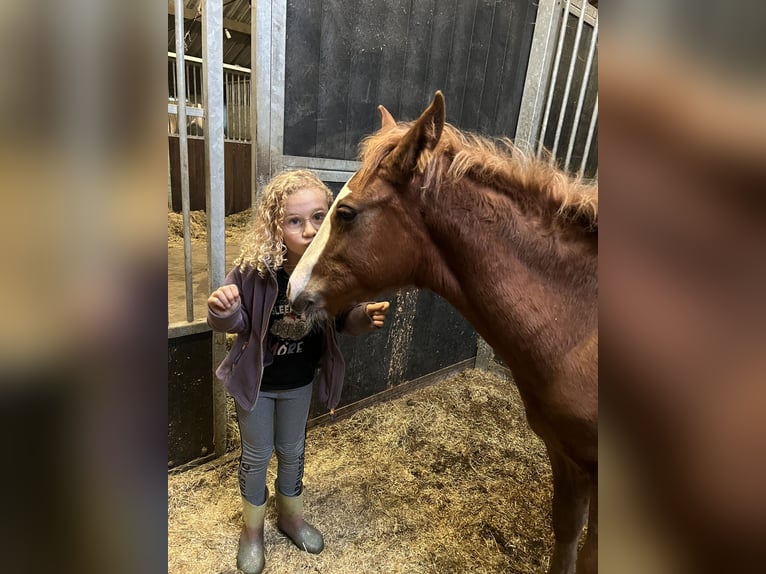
[264, 244]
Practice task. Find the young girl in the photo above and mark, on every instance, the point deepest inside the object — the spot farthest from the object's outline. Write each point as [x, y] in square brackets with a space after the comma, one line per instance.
[271, 366]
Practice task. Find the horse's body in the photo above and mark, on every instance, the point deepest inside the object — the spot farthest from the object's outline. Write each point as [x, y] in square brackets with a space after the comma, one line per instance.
[511, 243]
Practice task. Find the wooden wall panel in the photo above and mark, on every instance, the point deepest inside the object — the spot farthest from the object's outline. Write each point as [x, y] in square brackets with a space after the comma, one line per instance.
[236, 173]
[190, 400]
[398, 53]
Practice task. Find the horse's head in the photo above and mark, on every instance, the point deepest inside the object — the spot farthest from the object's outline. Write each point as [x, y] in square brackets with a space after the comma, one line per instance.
[371, 237]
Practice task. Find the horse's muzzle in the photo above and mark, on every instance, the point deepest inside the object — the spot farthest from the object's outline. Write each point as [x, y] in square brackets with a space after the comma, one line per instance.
[305, 303]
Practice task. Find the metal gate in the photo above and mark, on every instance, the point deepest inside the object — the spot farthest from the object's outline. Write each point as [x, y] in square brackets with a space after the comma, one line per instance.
[559, 111]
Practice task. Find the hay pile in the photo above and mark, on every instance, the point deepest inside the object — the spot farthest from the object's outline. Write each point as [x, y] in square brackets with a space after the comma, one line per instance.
[235, 225]
[197, 226]
[448, 479]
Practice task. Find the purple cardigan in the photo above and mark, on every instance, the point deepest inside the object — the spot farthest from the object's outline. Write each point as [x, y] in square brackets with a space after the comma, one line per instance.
[241, 370]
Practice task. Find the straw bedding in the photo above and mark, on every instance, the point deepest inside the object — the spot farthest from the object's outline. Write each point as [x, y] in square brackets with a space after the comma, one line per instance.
[447, 479]
[235, 226]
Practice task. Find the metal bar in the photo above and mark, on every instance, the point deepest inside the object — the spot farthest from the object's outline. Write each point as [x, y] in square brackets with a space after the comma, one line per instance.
[175, 87]
[255, 49]
[568, 85]
[591, 13]
[225, 66]
[334, 176]
[277, 96]
[197, 112]
[484, 354]
[591, 130]
[181, 329]
[214, 147]
[212, 67]
[246, 109]
[196, 88]
[230, 123]
[239, 107]
[554, 74]
[391, 393]
[227, 91]
[190, 137]
[199, 92]
[183, 151]
[233, 24]
[297, 161]
[261, 59]
[170, 186]
[538, 74]
[189, 85]
[234, 112]
[172, 96]
[581, 96]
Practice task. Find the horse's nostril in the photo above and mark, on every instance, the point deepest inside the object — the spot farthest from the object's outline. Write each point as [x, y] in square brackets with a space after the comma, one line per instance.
[303, 302]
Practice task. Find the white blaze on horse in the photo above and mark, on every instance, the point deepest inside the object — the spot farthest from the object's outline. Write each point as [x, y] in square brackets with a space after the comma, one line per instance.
[512, 243]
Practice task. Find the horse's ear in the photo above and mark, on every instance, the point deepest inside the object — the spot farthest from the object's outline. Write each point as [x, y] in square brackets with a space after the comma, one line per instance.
[387, 121]
[422, 136]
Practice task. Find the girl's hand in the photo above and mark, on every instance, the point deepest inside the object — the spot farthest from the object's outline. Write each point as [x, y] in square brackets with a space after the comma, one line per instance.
[224, 300]
[377, 312]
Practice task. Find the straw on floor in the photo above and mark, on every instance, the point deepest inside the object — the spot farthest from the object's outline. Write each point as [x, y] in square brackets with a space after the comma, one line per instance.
[447, 479]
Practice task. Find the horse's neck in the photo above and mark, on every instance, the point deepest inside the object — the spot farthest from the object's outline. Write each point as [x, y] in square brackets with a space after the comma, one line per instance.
[488, 265]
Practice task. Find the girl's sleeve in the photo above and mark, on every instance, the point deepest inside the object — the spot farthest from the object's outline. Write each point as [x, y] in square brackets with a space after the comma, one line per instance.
[354, 321]
[239, 321]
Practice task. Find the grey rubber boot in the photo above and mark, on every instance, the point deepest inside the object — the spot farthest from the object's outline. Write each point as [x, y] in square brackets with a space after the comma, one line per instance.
[250, 555]
[290, 522]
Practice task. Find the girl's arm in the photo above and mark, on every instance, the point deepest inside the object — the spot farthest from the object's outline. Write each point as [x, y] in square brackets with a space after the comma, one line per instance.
[362, 318]
[225, 310]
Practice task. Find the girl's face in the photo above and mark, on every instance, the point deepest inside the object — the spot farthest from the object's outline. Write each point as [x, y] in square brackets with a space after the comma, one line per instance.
[305, 210]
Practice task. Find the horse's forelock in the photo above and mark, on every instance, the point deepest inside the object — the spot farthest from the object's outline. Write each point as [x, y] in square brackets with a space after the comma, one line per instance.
[376, 147]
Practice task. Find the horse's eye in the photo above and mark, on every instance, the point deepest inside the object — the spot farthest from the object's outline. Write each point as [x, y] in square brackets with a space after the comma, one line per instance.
[346, 213]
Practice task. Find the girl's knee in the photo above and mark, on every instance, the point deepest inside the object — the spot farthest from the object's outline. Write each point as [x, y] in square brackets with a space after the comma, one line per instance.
[255, 458]
[291, 451]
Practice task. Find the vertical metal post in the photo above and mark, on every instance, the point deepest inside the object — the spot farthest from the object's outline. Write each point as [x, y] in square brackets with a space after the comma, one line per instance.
[268, 77]
[568, 85]
[583, 88]
[227, 93]
[175, 74]
[591, 130]
[212, 96]
[261, 86]
[170, 186]
[277, 95]
[484, 354]
[254, 120]
[241, 86]
[538, 74]
[212, 62]
[183, 150]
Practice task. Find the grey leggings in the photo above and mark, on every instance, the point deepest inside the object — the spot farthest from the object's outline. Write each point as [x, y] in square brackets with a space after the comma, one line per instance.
[278, 421]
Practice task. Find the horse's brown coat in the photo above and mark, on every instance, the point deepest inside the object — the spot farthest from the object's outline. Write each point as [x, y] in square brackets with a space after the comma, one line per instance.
[510, 242]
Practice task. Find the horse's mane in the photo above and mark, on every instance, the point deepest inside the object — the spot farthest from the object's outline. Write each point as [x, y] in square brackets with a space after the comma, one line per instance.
[495, 162]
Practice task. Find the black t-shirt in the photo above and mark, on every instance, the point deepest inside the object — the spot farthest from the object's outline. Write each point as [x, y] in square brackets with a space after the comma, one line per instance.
[296, 350]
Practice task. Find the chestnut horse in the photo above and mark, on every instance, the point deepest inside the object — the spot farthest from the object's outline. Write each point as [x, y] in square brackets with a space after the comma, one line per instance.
[511, 242]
